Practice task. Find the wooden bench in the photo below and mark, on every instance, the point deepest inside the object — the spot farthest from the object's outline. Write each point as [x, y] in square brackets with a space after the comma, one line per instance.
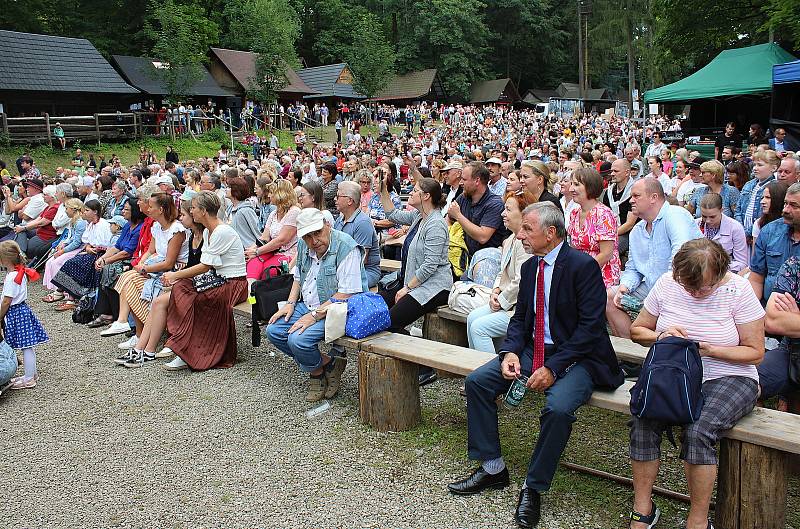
[753, 469]
[390, 265]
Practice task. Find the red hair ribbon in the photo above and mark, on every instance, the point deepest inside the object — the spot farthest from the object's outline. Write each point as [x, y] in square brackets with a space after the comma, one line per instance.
[22, 271]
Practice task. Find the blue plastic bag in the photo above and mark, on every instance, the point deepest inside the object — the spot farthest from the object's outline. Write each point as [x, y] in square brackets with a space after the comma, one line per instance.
[367, 314]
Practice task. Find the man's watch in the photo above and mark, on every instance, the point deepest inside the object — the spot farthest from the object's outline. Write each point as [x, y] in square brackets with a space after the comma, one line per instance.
[314, 314]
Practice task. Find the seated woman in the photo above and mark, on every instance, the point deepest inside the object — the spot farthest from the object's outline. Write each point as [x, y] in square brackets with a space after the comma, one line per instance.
[264, 189]
[723, 230]
[70, 245]
[156, 321]
[201, 324]
[126, 252]
[425, 276]
[771, 206]
[244, 218]
[713, 175]
[78, 276]
[115, 261]
[491, 321]
[280, 233]
[169, 249]
[538, 180]
[119, 197]
[377, 211]
[45, 234]
[309, 195]
[731, 337]
[592, 227]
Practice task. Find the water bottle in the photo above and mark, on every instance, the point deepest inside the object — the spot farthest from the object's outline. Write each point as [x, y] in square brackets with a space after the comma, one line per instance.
[284, 267]
[516, 392]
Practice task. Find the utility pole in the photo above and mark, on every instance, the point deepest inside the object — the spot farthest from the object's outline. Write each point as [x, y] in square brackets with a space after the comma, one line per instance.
[584, 10]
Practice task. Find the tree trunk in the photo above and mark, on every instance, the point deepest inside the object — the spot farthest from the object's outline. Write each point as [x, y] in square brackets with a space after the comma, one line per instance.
[388, 392]
[629, 42]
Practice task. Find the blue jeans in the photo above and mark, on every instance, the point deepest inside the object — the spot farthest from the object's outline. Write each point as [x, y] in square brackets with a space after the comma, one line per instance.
[562, 399]
[773, 372]
[483, 325]
[303, 348]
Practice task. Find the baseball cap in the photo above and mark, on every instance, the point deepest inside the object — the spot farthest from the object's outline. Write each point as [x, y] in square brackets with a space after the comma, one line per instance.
[495, 159]
[163, 179]
[308, 221]
[453, 164]
[119, 220]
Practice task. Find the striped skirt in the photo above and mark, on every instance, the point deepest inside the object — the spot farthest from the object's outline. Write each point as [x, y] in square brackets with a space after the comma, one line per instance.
[200, 324]
[130, 285]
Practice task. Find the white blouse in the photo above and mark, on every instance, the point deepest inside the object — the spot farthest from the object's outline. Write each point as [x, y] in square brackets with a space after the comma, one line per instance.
[97, 234]
[224, 252]
[162, 238]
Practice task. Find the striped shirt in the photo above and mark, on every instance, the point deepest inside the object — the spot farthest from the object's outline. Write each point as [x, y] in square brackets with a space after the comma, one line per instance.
[712, 319]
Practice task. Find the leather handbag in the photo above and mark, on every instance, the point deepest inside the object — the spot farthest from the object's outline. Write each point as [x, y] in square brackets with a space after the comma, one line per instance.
[275, 287]
[208, 280]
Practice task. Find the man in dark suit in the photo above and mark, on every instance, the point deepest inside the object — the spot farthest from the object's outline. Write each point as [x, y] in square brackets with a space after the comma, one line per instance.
[565, 352]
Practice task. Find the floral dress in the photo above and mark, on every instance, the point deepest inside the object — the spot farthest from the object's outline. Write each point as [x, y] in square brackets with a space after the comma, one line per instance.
[600, 225]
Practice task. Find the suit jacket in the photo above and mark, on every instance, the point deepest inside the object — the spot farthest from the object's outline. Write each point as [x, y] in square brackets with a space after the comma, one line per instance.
[577, 318]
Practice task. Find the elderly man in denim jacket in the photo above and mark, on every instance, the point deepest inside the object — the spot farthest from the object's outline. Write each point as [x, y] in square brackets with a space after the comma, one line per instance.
[329, 268]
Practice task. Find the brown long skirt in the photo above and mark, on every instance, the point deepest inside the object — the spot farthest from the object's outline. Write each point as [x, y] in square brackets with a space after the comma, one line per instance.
[200, 324]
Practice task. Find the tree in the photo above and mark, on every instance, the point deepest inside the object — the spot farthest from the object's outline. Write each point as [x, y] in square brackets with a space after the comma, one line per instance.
[182, 35]
[272, 30]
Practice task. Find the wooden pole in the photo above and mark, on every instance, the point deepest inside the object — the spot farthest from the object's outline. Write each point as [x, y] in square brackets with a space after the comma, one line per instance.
[49, 130]
[97, 127]
[388, 392]
[5, 124]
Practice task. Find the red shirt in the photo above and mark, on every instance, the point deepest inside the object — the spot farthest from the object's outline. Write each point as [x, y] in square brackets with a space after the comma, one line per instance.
[48, 232]
[145, 236]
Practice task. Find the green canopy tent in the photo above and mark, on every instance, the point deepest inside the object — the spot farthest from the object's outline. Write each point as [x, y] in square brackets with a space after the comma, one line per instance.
[735, 86]
[742, 71]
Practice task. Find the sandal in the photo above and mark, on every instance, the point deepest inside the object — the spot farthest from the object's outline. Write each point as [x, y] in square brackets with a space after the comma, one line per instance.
[66, 305]
[651, 519]
[52, 297]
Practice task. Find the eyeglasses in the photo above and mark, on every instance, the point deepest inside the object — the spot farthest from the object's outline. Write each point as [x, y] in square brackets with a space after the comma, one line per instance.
[342, 196]
[301, 195]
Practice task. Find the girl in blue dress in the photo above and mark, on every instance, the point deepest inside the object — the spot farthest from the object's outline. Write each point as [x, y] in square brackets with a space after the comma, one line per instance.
[22, 329]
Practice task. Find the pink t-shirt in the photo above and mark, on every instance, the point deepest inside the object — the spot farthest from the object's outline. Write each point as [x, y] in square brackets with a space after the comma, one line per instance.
[275, 226]
[712, 319]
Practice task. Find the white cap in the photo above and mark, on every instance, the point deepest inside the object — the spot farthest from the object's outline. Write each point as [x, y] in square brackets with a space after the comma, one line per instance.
[163, 179]
[309, 220]
[495, 159]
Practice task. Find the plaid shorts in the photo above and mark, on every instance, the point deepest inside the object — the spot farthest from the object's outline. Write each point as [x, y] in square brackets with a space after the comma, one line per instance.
[727, 400]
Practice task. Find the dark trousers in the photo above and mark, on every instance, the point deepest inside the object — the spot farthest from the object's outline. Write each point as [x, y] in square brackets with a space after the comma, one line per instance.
[408, 310]
[773, 373]
[107, 302]
[561, 400]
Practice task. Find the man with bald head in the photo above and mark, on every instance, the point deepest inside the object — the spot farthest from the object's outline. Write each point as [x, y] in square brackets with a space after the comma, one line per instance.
[618, 197]
[789, 170]
[653, 242]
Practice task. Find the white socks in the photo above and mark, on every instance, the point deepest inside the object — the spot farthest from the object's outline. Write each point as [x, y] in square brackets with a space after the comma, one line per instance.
[29, 357]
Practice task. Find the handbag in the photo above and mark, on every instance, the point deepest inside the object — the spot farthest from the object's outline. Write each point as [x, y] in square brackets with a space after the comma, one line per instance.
[367, 314]
[466, 296]
[83, 313]
[208, 280]
[266, 294]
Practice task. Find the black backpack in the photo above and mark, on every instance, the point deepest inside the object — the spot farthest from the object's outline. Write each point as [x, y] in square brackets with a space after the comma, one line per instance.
[669, 388]
[267, 293]
[84, 312]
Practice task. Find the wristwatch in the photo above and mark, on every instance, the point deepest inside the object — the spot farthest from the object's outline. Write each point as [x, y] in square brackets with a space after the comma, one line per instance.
[314, 314]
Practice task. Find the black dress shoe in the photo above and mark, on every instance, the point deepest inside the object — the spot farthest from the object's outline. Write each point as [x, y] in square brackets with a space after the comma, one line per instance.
[100, 322]
[479, 481]
[427, 377]
[528, 508]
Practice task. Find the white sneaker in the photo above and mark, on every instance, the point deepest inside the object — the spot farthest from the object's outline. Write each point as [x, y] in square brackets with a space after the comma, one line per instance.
[118, 327]
[130, 343]
[176, 365]
[166, 352]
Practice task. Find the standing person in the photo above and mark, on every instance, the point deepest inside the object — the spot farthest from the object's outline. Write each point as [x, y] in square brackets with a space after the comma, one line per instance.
[22, 331]
[202, 330]
[765, 165]
[593, 227]
[618, 197]
[729, 137]
[654, 241]
[338, 127]
[562, 349]
[491, 321]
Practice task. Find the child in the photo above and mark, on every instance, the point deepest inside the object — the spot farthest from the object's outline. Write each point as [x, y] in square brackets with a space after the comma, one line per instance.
[22, 328]
[118, 222]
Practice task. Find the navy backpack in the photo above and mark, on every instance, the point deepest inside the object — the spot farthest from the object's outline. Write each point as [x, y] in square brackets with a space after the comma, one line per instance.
[669, 388]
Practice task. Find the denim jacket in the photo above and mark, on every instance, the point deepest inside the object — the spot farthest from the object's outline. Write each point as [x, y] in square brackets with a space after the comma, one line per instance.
[340, 246]
[771, 249]
[72, 241]
[744, 203]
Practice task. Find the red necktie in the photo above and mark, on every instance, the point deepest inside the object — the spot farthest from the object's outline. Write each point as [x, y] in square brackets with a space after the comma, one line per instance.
[538, 330]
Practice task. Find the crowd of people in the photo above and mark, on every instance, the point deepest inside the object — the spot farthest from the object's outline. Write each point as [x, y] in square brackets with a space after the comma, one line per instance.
[571, 225]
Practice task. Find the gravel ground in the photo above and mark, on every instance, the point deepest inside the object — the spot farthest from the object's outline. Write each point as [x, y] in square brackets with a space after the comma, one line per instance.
[98, 445]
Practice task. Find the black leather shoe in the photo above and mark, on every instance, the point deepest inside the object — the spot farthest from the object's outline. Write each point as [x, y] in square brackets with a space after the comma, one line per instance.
[528, 508]
[479, 481]
[427, 377]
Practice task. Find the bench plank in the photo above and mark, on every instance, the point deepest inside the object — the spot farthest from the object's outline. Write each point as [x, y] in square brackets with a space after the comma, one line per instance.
[390, 265]
[450, 358]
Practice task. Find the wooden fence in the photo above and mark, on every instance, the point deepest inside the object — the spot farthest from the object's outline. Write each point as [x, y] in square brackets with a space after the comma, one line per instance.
[96, 127]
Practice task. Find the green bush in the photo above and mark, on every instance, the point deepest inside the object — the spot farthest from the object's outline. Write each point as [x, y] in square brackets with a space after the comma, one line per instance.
[216, 135]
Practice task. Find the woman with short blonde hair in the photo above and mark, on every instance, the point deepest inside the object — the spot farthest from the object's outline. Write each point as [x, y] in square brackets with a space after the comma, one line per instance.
[713, 174]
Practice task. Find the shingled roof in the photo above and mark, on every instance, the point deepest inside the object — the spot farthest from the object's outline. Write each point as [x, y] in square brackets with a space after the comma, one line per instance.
[45, 63]
[325, 81]
[413, 85]
[494, 91]
[242, 66]
[142, 73]
[533, 96]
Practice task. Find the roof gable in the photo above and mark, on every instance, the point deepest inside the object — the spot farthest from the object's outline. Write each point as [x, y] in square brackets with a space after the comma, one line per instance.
[32, 62]
[242, 66]
[498, 90]
[330, 80]
[413, 85]
[142, 73]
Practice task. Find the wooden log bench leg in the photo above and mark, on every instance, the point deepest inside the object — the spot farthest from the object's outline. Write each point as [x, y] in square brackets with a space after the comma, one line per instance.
[388, 391]
[751, 487]
[438, 329]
